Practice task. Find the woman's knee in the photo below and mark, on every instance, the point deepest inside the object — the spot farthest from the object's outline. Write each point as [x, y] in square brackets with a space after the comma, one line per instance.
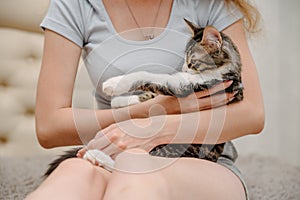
[77, 167]
[73, 176]
[75, 164]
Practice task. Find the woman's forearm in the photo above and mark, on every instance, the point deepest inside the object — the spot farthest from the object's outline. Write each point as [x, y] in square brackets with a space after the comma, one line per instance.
[203, 127]
[75, 126]
[213, 126]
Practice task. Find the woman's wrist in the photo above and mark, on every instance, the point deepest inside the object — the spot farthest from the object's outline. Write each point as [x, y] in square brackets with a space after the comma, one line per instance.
[167, 128]
[163, 105]
[136, 111]
[153, 107]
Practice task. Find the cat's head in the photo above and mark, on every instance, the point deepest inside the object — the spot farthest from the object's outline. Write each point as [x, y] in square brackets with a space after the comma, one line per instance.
[204, 50]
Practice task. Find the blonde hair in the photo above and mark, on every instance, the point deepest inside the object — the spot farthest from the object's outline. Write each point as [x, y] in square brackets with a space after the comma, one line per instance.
[251, 14]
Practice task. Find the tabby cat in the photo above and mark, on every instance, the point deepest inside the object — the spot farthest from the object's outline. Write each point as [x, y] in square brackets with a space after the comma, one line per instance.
[210, 58]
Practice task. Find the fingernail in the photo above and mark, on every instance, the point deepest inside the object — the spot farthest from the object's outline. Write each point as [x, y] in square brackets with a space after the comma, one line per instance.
[231, 99]
[78, 155]
[229, 82]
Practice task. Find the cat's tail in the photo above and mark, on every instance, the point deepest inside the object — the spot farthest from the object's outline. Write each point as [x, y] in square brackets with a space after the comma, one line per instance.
[68, 154]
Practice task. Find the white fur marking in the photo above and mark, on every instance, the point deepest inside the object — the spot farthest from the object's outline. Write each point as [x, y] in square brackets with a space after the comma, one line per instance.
[103, 160]
[122, 101]
[112, 86]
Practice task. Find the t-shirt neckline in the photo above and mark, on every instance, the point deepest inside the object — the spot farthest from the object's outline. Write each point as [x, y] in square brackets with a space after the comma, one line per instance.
[138, 42]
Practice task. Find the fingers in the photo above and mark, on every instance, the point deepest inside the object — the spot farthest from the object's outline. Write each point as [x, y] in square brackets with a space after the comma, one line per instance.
[81, 152]
[103, 138]
[215, 100]
[99, 143]
[107, 140]
[219, 87]
[114, 149]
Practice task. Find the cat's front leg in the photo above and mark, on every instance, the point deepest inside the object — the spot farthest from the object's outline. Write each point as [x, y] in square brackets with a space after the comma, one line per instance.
[122, 84]
[180, 84]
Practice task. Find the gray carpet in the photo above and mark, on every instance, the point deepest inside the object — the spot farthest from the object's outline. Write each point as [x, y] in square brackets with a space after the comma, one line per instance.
[267, 178]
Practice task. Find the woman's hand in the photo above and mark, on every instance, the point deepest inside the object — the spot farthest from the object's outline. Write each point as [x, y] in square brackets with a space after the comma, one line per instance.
[135, 133]
[198, 101]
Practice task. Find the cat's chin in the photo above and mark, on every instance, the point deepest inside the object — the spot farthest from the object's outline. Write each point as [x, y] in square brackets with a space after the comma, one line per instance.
[190, 71]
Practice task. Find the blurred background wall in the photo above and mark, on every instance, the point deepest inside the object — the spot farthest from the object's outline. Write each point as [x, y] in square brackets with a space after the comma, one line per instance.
[276, 50]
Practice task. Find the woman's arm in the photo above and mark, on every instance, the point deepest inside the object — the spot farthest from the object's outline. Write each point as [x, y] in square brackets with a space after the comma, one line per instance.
[239, 119]
[57, 123]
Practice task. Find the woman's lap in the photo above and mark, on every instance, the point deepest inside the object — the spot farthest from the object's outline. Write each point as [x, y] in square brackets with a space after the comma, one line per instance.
[203, 179]
[183, 178]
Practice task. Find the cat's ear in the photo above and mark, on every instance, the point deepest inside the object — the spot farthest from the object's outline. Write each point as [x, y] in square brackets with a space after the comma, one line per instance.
[193, 27]
[211, 39]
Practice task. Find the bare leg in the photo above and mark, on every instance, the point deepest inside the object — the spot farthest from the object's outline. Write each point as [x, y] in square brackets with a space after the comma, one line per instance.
[134, 179]
[185, 178]
[73, 179]
[201, 179]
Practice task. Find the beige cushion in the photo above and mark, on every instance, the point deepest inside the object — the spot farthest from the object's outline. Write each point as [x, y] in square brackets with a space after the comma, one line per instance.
[20, 57]
[21, 46]
[24, 15]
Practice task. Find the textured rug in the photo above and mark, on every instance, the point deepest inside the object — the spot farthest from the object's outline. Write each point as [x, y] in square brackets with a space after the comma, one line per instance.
[267, 178]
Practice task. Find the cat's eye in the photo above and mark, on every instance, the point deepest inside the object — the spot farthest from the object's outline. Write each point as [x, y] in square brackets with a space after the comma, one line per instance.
[206, 62]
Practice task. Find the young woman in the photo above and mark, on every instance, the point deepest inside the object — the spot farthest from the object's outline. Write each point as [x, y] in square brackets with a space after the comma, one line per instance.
[114, 38]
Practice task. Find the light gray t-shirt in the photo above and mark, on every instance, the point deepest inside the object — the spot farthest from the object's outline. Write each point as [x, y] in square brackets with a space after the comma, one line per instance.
[107, 54]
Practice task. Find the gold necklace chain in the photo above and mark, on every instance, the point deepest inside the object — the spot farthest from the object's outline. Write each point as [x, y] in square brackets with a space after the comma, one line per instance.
[148, 36]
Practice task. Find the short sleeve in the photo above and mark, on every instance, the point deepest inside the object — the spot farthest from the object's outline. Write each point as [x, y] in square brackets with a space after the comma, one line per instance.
[219, 14]
[65, 17]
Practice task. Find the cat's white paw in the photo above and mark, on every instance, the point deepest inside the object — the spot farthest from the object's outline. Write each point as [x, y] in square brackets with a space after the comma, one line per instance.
[123, 101]
[110, 85]
[99, 158]
[113, 86]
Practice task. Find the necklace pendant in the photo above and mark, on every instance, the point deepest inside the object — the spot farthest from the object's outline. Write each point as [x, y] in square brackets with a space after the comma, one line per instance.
[149, 36]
